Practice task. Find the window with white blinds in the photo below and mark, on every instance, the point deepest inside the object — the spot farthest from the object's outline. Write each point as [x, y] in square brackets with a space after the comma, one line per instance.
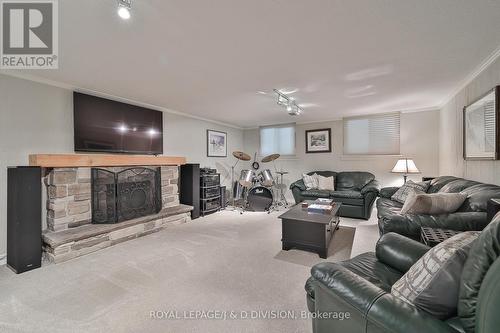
[489, 126]
[372, 135]
[277, 139]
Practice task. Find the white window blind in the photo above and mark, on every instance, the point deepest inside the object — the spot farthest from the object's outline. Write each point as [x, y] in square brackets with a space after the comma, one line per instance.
[489, 126]
[277, 139]
[372, 135]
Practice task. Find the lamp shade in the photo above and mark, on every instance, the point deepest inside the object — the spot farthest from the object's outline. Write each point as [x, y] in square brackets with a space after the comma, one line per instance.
[405, 165]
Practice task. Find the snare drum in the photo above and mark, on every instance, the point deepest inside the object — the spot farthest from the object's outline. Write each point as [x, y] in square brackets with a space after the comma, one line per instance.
[247, 178]
[266, 178]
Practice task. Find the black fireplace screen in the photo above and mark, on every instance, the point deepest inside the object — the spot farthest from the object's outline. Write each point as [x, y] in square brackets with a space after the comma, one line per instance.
[125, 195]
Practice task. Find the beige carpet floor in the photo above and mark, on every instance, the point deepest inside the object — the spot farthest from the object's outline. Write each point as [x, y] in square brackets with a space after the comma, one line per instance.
[223, 262]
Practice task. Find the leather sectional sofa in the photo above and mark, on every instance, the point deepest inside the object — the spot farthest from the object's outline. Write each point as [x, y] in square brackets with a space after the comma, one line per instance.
[362, 287]
[356, 191]
[470, 216]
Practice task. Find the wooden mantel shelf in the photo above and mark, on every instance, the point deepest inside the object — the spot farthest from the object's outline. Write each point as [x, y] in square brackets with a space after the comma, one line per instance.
[101, 160]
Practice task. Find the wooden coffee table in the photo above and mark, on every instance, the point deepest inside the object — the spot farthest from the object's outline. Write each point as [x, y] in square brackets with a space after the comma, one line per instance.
[308, 231]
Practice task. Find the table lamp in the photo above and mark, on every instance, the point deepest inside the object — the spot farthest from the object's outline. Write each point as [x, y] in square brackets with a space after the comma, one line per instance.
[405, 166]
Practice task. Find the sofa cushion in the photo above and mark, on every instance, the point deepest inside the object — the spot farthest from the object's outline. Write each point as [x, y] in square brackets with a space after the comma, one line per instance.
[311, 182]
[347, 194]
[353, 198]
[409, 186]
[438, 182]
[326, 183]
[435, 203]
[478, 196]
[316, 193]
[457, 185]
[352, 181]
[432, 283]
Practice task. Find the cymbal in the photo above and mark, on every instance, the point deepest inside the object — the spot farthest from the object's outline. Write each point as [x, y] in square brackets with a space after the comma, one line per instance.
[241, 156]
[270, 158]
[282, 172]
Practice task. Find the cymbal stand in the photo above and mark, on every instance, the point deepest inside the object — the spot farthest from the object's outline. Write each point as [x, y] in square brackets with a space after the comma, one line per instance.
[232, 185]
[282, 198]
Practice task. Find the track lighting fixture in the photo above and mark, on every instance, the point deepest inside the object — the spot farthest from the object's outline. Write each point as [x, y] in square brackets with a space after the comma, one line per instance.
[288, 103]
[124, 7]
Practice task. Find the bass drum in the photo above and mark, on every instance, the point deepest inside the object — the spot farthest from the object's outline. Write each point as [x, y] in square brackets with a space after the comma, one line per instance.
[259, 199]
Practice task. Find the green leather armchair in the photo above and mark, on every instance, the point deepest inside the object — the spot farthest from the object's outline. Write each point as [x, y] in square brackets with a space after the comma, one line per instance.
[361, 287]
[356, 190]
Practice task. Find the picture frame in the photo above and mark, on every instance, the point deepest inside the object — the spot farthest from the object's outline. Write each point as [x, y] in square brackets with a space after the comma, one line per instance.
[216, 143]
[319, 141]
[481, 126]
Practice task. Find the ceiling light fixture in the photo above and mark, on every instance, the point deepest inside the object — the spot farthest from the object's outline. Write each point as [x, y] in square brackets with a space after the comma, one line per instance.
[124, 7]
[288, 103]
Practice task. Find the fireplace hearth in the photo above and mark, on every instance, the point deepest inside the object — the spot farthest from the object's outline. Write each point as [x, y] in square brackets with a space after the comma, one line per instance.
[126, 194]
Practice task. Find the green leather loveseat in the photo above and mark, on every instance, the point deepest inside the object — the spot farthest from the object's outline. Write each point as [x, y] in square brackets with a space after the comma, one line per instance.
[361, 287]
[356, 191]
[470, 216]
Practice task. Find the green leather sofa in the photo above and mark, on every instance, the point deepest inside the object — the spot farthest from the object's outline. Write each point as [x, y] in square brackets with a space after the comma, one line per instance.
[471, 216]
[356, 191]
[361, 287]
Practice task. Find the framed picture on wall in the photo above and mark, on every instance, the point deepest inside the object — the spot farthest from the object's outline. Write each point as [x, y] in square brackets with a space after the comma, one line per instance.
[481, 127]
[319, 141]
[216, 144]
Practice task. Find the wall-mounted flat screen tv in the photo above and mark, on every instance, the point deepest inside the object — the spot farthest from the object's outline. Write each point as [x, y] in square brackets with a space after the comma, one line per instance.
[103, 125]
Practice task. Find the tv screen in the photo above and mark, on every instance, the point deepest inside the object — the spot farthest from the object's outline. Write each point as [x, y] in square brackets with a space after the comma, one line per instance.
[103, 125]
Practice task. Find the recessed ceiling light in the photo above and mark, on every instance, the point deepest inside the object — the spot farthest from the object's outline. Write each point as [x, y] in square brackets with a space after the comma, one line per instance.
[124, 7]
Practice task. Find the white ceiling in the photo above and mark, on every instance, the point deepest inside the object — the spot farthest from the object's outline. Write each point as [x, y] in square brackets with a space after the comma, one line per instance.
[210, 58]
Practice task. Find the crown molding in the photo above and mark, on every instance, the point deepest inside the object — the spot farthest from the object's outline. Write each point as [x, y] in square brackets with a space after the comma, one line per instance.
[471, 77]
[66, 86]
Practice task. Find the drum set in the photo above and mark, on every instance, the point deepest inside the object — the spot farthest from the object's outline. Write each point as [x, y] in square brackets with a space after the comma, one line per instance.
[257, 191]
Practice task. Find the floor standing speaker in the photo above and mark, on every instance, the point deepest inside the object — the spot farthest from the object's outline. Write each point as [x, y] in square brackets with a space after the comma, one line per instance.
[190, 188]
[223, 197]
[24, 218]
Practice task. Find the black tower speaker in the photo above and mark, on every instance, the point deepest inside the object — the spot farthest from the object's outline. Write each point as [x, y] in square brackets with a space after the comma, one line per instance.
[24, 218]
[223, 197]
[190, 188]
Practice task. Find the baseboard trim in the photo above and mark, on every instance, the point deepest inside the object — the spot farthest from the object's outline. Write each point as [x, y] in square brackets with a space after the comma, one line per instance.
[3, 259]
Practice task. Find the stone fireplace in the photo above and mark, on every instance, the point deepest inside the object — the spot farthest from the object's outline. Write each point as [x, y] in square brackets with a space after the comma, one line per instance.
[69, 194]
[93, 208]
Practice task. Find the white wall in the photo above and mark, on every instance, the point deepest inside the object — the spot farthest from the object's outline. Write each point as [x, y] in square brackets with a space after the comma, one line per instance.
[419, 140]
[451, 160]
[38, 118]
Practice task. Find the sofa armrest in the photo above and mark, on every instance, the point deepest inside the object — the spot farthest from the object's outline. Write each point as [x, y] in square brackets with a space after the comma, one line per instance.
[409, 225]
[372, 186]
[351, 288]
[298, 184]
[391, 314]
[388, 192]
[398, 251]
